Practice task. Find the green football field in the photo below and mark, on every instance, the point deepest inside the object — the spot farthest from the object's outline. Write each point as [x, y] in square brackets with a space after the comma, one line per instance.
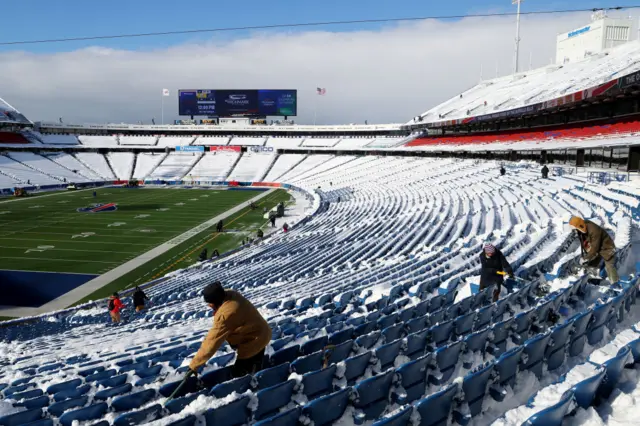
[48, 233]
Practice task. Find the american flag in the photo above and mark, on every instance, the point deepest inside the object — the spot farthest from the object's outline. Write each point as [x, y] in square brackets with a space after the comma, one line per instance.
[321, 91]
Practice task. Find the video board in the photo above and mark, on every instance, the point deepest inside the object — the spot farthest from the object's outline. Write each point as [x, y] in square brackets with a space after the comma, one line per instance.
[238, 103]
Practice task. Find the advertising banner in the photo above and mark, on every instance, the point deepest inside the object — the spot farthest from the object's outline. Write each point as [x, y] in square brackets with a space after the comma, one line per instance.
[260, 149]
[629, 80]
[190, 148]
[226, 148]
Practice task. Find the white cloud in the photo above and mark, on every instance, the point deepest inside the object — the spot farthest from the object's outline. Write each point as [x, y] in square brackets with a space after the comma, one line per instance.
[387, 75]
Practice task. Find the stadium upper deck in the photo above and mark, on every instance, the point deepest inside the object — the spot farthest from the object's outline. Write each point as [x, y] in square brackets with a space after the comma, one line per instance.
[539, 89]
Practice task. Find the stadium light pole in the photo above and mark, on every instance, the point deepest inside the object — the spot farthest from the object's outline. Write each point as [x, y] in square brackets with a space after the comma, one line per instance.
[516, 60]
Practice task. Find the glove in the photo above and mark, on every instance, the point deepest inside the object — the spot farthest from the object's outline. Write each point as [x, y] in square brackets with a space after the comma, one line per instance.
[190, 373]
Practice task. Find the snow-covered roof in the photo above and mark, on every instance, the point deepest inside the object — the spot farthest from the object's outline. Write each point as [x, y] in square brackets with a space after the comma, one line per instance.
[537, 89]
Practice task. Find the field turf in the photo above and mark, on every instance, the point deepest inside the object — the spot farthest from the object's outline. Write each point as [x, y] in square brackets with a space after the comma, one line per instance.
[47, 233]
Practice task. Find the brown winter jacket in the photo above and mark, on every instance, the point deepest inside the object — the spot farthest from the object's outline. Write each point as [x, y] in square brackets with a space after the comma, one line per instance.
[239, 323]
[596, 242]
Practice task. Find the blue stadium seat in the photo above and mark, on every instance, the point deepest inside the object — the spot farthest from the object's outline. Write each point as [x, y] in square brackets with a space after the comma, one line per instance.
[60, 407]
[222, 360]
[149, 372]
[100, 376]
[285, 355]
[437, 317]
[177, 404]
[556, 351]
[368, 340]
[435, 409]
[113, 381]
[105, 394]
[318, 383]
[139, 417]
[437, 302]
[417, 344]
[635, 348]
[37, 402]
[235, 413]
[308, 363]
[614, 368]
[553, 415]
[501, 332]
[356, 366]
[270, 400]
[22, 381]
[17, 389]
[47, 422]
[413, 378]
[272, 376]
[239, 385]
[364, 328]
[288, 418]
[506, 367]
[190, 420]
[387, 354]
[69, 384]
[474, 388]
[393, 332]
[314, 345]
[464, 324]
[190, 386]
[595, 330]
[341, 336]
[421, 309]
[92, 412]
[417, 324]
[617, 311]
[387, 321]
[21, 417]
[326, 410]
[446, 360]
[484, 317]
[522, 325]
[217, 376]
[371, 396]
[406, 314]
[71, 393]
[440, 334]
[579, 334]
[399, 418]
[477, 342]
[32, 393]
[534, 349]
[585, 391]
[133, 367]
[340, 352]
[133, 401]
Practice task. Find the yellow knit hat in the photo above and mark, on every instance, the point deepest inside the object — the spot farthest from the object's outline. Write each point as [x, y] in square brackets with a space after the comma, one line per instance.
[578, 223]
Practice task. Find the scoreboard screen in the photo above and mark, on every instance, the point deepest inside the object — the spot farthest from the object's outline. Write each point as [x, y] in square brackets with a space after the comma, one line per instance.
[238, 103]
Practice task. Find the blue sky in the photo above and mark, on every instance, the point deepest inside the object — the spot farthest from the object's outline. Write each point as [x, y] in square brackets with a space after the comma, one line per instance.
[43, 19]
[380, 73]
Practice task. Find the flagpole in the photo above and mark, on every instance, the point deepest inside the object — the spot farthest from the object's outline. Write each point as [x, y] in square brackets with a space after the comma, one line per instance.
[315, 108]
[162, 108]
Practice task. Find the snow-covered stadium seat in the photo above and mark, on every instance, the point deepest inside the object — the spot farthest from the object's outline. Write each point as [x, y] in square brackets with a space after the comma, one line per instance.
[175, 166]
[58, 139]
[121, 164]
[138, 140]
[214, 166]
[97, 163]
[98, 141]
[252, 167]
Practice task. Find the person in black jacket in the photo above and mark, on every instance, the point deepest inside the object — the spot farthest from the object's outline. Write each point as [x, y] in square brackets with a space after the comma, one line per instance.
[493, 268]
[503, 171]
[138, 299]
[545, 172]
